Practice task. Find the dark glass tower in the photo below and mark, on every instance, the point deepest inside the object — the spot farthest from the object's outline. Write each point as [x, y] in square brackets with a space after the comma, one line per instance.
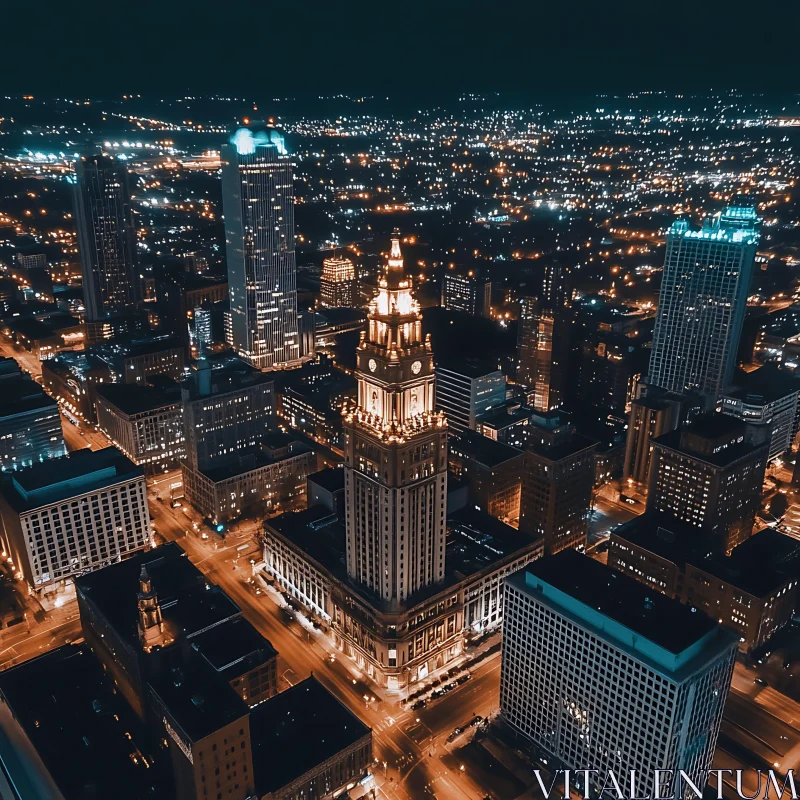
[258, 201]
[106, 238]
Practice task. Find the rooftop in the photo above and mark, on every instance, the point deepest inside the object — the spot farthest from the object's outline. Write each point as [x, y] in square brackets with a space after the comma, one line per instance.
[330, 478]
[233, 648]
[188, 604]
[58, 479]
[621, 609]
[295, 731]
[475, 541]
[471, 368]
[135, 398]
[485, 451]
[271, 451]
[198, 705]
[764, 385]
[92, 743]
[21, 394]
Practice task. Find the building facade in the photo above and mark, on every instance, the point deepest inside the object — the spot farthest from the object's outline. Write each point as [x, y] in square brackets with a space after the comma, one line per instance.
[466, 390]
[73, 515]
[467, 292]
[557, 483]
[258, 200]
[395, 450]
[709, 475]
[702, 303]
[106, 237]
[597, 671]
[338, 286]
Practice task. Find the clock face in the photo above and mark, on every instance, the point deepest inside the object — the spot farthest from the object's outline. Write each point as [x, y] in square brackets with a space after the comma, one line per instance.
[416, 367]
[373, 365]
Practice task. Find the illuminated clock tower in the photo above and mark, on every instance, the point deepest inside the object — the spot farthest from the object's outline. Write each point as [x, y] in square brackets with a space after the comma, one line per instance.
[395, 449]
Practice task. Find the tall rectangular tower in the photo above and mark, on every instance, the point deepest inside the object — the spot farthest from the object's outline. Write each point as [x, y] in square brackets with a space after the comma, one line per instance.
[544, 342]
[703, 301]
[395, 450]
[604, 673]
[258, 201]
[106, 237]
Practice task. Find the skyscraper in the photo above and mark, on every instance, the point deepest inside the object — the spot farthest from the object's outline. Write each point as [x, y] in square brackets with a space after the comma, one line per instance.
[338, 286]
[395, 450]
[467, 388]
[709, 475]
[557, 482]
[469, 292]
[544, 342]
[106, 237]
[608, 675]
[703, 302]
[258, 201]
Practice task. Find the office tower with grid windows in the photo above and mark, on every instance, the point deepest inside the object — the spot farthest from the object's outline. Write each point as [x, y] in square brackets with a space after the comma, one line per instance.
[708, 474]
[606, 674]
[258, 202]
[466, 389]
[338, 287]
[467, 291]
[702, 304]
[106, 238]
[395, 450]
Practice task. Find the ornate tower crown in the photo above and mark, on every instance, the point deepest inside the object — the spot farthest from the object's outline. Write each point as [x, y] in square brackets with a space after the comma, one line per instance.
[394, 362]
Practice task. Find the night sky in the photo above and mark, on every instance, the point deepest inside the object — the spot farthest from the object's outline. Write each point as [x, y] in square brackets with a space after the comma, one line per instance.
[414, 48]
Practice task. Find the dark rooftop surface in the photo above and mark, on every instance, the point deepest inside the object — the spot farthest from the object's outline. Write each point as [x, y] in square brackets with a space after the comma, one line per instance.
[188, 604]
[234, 647]
[228, 374]
[296, 730]
[200, 706]
[710, 430]
[484, 450]
[764, 385]
[508, 413]
[134, 399]
[136, 345]
[330, 478]
[67, 708]
[761, 564]
[77, 473]
[271, 452]
[21, 394]
[469, 367]
[654, 616]
[475, 540]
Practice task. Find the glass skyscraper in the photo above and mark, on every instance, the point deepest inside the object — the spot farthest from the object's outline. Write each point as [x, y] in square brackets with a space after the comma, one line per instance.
[106, 237]
[703, 302]
[258, 202]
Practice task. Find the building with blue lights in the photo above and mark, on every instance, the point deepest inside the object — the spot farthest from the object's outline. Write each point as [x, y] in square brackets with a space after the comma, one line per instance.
[703, 300]
[258, 201]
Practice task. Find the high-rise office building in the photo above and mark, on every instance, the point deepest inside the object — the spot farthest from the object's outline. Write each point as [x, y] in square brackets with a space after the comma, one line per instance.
[338, 287]
[543, 342]
[74, 514]
[608, 675]
[557, 482]
[466, 389]
[106, 238]
[702, 303]
[395, 450]
[258, 201]
[202, 327]
[655, 413]
[467, 291]
[30, 423]
[707, 474]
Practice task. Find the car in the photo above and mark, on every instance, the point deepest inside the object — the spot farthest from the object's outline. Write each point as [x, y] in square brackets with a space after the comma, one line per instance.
[455, 733]
[463, 679]
[450, 686]
[760, 681]
[475, 721]
[787, 664]
[419, 705]
[437, 693]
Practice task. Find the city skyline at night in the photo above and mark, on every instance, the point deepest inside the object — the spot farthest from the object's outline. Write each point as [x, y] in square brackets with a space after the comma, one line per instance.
[400, 403]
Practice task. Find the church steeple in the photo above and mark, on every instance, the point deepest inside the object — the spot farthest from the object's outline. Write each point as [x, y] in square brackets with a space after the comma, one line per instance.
[151, 623]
